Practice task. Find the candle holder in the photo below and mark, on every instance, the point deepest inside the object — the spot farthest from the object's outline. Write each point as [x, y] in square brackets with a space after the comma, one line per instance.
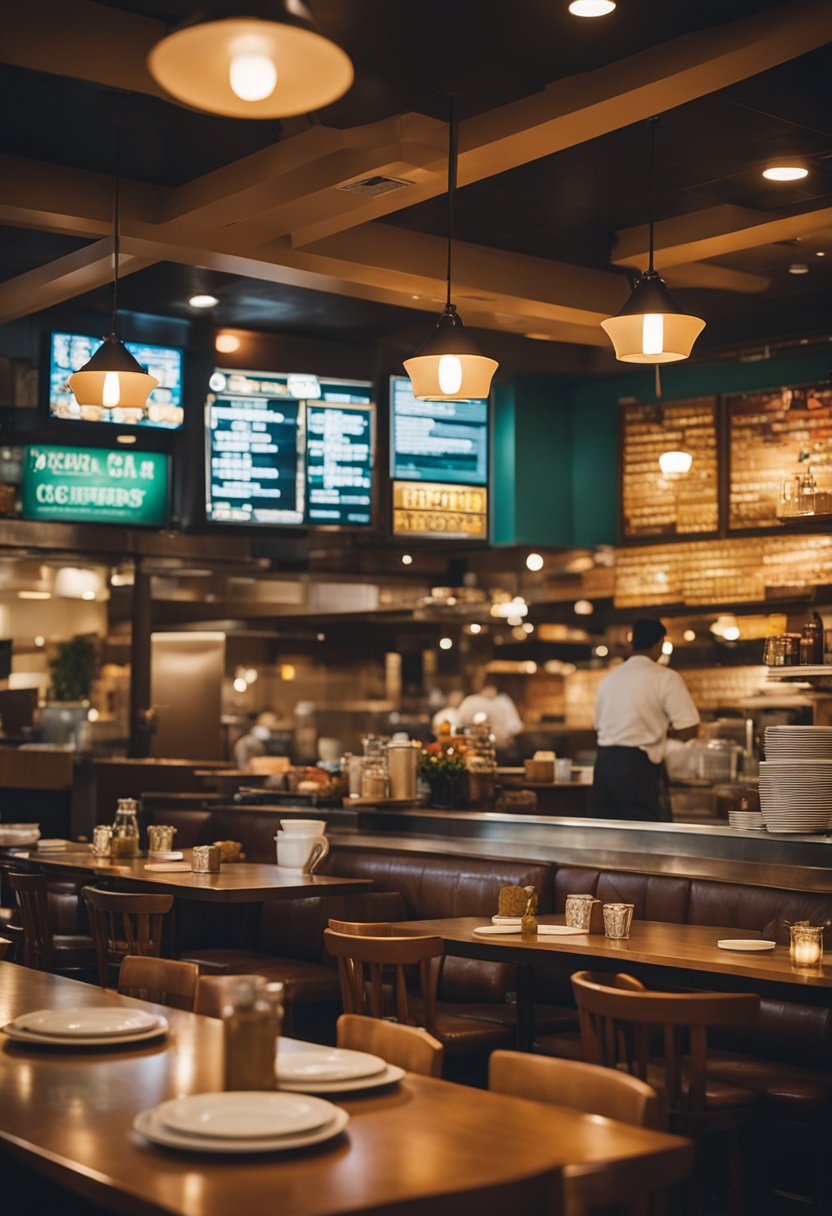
[806, 945]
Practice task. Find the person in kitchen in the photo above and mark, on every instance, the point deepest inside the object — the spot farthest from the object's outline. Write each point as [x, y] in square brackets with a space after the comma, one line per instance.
[256, 740]
[640, 706]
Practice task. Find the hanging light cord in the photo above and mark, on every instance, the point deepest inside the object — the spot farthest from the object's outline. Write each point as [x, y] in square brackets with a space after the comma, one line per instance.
[452, 159]
[654, 122]
[116, 236]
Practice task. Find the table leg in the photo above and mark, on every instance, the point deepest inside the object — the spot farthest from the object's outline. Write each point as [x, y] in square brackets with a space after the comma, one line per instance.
[525, 1007]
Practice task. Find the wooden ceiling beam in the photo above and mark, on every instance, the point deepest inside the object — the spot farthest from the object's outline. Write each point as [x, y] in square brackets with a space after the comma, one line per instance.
[63, 279]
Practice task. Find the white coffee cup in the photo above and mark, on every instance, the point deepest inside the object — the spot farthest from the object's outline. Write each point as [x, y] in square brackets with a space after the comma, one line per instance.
[300, 854]
[303, 827]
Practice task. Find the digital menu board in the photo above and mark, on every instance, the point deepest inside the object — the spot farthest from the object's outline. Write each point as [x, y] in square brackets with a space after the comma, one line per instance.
[95, 485]
[437, 441]
[288, 449]
[442, 511]
[69, 352]
[339, 464]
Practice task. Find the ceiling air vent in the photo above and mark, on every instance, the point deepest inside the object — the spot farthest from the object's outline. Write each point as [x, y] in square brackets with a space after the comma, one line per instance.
[372, 187]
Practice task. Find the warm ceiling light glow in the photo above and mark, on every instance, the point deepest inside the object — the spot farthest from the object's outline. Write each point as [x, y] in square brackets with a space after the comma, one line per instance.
[34, 595]
[475, 628]
[250, 675]
[528, 627]
[583, 608]
[731, 633]
[269, 62]
[820, 254]
[785, 173]
[407, 560]
[667, 647]
[240, 685]
[450, 375]
[689, 635]
[287, 671]
[252, 77]
[125, 439]
[591, 8]
[602, 651]
[226, 344]
[534, 562]
[445, 643]
[798, 268]
[203, 301]
[40, 640]
[675, 462]
[87, 595]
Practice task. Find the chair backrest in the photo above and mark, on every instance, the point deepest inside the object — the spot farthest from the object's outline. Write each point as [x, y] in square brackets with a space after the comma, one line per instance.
[366, 953]
[213, 991]
[31, 894]
[123, 924]
[623, 1025]
[165, 981]
[410, 1047]
[4, 946]
[583, 1087]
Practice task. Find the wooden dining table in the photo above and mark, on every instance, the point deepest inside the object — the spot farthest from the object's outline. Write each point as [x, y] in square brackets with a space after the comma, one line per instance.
[656, 951]
[424, 1145]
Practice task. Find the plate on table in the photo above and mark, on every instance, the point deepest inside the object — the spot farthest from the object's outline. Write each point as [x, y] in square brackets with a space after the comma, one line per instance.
[48, 1040]
[148, 1125]
[328, 1064]
[168, 867]
[47, 844]
[497, 930]
[748, 945]
[244, 1115]
[506, 920]
[560, 931]
[166, 854]
[101, 1022]
[391, 1075]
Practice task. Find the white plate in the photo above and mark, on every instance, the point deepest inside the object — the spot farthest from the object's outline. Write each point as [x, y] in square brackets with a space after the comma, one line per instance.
[95, 1022]
[328, 1064]
[542, 930]
[244, 1115]
[506, 920]
[391, 1075]
[152, 1128]
[560, 931]
[51, 843]
[48, 1040]
[496, 930]
[166, 854]
[750, 945]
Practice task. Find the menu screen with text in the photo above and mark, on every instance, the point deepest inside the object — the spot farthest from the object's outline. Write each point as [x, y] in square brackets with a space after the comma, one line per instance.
[437, 441]
[339, 465]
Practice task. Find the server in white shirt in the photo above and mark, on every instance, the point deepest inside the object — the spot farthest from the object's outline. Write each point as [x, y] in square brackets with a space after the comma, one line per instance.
[639, 706]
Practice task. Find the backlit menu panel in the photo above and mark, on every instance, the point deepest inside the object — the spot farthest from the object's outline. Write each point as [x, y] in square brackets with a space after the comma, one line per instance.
[452, 512]
[69, 352]
[657, 505]
[774, 434]
[437, 441]
[339, 464]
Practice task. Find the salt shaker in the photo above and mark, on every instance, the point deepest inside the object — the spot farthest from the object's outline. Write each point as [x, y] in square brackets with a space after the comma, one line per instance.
[252, 1019]
[528, 921]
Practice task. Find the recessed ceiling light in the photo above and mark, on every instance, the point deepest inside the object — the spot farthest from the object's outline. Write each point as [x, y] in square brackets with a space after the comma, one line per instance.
[445, 643]
[785, 173]
[475, 628]
[226, 344]
[820, 254]
[125, 438]
[203, 301]
[591, 8]
[798, 268]
[689, 635]
[40, 640]
[534, 561]
[407, 560]
[583, 608]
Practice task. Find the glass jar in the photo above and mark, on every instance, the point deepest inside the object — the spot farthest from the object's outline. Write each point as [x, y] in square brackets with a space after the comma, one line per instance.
[125, 837]
[374, 769]
[806, 944]
[252, 1018]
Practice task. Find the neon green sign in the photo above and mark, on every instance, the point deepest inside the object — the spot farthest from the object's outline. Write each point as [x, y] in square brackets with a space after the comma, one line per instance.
[95, 485]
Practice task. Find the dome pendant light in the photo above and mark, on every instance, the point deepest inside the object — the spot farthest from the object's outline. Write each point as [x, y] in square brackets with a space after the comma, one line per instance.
[113, 379]
[651, 327]
[449, 366]
[256, 59]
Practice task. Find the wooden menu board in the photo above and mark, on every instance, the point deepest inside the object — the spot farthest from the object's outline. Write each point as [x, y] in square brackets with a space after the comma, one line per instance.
[769, 431]
[656, 505]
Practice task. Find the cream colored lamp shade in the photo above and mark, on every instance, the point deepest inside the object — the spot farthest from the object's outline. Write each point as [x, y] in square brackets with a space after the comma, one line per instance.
[113, 379]
[651, 327]
[256, 59]
[449, 365]
[675, 462]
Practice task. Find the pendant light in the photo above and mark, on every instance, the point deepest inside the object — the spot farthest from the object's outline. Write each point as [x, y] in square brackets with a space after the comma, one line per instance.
[113, 378]
[449, 366]
[256, 59]
[651, 327]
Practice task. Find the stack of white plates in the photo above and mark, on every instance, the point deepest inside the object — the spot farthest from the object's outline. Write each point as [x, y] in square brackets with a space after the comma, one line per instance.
[241, 1122]
[796, 795]
[333, 1070]
[798, 743]
[12, 834]
[747, 821]
[97, 1026]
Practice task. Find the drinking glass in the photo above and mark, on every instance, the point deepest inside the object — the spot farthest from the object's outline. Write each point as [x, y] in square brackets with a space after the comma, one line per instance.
[617, 921]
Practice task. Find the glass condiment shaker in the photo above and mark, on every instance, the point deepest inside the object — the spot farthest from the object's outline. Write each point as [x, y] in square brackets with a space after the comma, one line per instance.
[374, 769]
[251, 1018]
[125, 838]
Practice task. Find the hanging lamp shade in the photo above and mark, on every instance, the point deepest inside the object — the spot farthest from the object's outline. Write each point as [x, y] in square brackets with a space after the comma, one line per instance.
[651, 327]
[113, 379]
[449, 366]
[256, 59]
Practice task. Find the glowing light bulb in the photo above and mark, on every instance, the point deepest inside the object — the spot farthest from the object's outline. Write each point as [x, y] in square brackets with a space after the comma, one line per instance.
[253, 77]
[652, 334]
[445, 643]
[591, 8]
[785, 173]
[675, 462]
[450, 375]
[667, 648]
[112, 389]
[534, 561]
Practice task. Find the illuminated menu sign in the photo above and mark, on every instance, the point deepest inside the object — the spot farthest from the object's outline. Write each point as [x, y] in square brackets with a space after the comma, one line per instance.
[449, 512]
[95, 485]
[288, 450]
[339, 464]
[69, 352]
[437, 441]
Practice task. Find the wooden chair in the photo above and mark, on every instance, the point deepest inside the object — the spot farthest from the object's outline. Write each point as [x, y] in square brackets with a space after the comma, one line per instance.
[583, 1087]
[212, 992]
[4, 946]
[662, 1038]
[368, 952]
[162, 980]
[409, 1047]
[124, 924]
[44, 950]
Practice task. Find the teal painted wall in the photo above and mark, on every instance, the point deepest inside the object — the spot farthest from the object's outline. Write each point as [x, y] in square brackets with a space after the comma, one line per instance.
[555, 460]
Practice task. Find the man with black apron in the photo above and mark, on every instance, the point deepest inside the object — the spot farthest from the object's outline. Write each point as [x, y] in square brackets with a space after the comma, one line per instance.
[639, 705]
